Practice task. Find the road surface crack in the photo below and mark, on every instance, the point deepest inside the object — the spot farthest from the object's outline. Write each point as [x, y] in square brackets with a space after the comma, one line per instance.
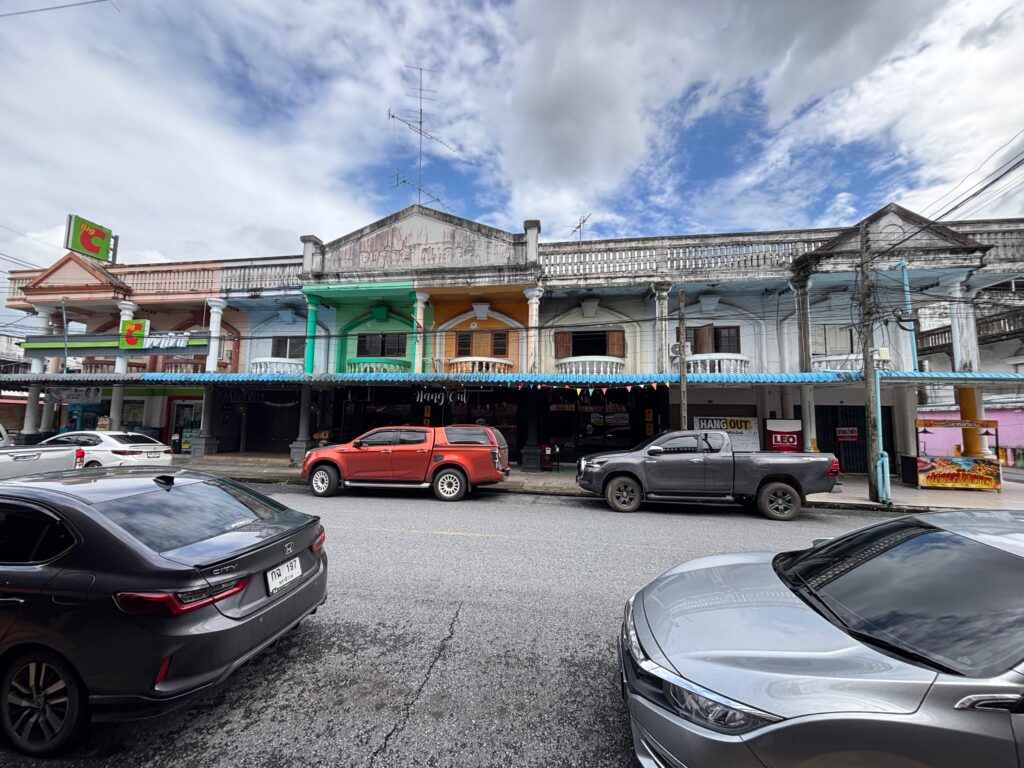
[403, 719]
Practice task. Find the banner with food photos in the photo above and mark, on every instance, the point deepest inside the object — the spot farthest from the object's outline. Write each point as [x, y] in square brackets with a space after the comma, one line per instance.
[959, 472]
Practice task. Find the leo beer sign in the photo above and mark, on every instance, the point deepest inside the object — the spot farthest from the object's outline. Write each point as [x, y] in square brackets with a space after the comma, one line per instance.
[783, 435]
[90, 239]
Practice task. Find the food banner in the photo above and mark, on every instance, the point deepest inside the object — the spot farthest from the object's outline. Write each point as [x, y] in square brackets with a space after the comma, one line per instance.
[957, 423]
[960, 472]
[742, 430]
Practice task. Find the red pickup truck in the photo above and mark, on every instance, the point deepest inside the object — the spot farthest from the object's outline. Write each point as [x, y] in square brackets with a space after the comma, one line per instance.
[451, 460]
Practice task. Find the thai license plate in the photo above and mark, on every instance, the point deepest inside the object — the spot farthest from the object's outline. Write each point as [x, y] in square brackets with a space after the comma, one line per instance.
[153, 454]
[282, 575]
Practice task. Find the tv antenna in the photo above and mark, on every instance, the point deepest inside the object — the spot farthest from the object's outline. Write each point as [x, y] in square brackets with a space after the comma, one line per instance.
[416, 126]
[579, 227]
[400, 180]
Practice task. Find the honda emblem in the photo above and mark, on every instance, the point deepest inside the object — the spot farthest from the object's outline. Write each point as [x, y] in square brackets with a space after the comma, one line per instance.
[289, 547]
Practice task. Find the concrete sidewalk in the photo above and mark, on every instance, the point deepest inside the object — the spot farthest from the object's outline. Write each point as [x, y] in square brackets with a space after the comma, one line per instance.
[264, 468]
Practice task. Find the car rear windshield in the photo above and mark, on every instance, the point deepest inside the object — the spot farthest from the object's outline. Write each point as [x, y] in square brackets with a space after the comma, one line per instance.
[165, 520]
[134, 438]
[467, 436]
[502, 442]
[946, 597]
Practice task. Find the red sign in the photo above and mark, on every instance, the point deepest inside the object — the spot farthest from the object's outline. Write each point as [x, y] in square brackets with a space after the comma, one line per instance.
[847, 434]
[783, 435]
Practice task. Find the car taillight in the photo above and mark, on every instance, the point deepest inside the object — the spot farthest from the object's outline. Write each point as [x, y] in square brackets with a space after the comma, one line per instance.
[79, 458]
[496, 458]
[318, 542]
[177, 603]
[833, 470]
[122, 452]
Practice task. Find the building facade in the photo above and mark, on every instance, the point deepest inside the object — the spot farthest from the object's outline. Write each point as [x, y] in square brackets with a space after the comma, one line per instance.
[567, 347]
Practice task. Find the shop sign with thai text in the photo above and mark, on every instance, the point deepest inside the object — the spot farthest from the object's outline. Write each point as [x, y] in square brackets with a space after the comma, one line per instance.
[959, 472]
[742, 430]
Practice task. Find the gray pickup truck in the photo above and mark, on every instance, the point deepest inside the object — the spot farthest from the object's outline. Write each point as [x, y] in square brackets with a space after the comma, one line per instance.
[701, 466]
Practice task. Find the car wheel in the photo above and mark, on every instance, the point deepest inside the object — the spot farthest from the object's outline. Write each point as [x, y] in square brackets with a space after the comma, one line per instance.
[93, 465]
[42, 705]
[623, 494]
[778, 501]
[450, 484]
[324, 480]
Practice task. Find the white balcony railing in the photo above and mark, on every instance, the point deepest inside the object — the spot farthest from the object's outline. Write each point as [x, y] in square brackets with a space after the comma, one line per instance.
[591, 365]
[378, 365]
[716, 362]
[479, 365]
[275, 365]
[853, 362]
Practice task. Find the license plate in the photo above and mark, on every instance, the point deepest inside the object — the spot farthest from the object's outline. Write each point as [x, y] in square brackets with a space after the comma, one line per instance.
[283, 574]
[153, 454]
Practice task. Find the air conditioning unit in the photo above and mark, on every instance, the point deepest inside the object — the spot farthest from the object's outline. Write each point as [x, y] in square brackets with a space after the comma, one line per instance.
[674, 349]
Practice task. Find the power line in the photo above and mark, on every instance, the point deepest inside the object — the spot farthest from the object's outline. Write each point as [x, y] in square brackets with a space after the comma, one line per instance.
[29, 237]
[55, 8]
[965, 178]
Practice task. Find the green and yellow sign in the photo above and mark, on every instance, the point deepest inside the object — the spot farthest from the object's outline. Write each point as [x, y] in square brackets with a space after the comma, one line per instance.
[85, 237]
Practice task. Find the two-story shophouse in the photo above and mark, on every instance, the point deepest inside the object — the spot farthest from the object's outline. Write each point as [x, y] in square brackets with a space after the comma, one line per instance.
[567, 347]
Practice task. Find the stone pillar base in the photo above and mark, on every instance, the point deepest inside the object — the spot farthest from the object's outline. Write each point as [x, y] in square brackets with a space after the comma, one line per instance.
[204, 446]
[298, 450]
[530, 461]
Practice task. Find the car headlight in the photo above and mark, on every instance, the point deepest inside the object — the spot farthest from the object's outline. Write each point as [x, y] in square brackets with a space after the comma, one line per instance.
[691, 701]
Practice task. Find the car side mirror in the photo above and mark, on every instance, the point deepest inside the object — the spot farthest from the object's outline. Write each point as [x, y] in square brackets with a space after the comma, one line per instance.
[655, 450]
[357, 444]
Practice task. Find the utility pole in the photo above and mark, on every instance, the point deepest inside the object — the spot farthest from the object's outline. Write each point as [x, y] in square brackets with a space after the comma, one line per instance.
[683, 420]
[867, 350]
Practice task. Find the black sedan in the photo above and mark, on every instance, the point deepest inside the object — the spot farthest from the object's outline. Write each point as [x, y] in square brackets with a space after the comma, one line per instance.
[125, 591]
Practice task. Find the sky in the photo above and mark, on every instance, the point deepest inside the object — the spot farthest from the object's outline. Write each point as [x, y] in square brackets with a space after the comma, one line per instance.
[228, 128]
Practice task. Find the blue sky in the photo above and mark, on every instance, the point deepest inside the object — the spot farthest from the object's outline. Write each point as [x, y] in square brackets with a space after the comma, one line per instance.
[222, 129]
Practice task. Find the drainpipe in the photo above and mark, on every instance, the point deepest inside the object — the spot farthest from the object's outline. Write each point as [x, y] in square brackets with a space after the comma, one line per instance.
[882, 467]
[312, 302]
[906, 300]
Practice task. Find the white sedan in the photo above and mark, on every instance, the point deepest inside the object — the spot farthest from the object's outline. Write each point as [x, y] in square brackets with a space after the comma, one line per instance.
[115, 449]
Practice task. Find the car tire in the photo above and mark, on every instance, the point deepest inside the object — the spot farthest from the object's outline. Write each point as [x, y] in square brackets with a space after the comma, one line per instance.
[778, 501]
[93, 465]
[450, 484]
[324, 480]
[623, 494]
[52, 695]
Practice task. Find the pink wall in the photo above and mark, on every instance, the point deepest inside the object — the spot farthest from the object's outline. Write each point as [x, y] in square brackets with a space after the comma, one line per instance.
[941, 441]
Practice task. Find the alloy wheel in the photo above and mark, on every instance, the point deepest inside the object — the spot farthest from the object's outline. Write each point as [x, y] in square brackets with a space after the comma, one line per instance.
[624, 494]
[780, 502]
[37, 703]
[320, 481]
[449, 484]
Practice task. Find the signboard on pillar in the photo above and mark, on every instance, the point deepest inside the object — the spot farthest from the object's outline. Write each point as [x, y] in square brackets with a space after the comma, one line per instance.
[742, 430]
[134, 338]
[783, 435]
[90, 239]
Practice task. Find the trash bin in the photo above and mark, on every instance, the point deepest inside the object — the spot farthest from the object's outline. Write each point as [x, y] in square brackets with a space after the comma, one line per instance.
[176, 443]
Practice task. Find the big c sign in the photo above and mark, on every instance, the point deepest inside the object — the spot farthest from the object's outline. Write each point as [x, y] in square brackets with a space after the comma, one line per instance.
[85, 237]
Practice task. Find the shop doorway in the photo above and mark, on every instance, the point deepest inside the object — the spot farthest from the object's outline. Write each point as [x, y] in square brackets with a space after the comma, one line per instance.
[183, 424]
[852, 454]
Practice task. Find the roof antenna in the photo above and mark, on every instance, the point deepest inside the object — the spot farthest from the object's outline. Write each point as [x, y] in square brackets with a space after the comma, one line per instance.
[579, 227]
[416, 126]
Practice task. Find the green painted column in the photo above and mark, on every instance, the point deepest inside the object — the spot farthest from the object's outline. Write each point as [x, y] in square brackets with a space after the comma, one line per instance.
[312, 303]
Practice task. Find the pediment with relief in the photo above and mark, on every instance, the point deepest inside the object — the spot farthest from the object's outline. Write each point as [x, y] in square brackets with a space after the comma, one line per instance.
[420, 238]
[75, 273]
[897, 228]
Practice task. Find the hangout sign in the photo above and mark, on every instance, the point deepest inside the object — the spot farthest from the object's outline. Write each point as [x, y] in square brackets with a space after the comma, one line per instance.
[90, 239]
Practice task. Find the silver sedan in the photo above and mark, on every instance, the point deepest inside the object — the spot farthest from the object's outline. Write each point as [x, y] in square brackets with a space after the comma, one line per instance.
[900, 645]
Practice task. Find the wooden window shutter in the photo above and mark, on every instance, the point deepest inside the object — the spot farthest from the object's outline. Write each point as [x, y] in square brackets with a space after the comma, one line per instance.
[563, 344]
[616, 342]
[818, 339]
[704, 339]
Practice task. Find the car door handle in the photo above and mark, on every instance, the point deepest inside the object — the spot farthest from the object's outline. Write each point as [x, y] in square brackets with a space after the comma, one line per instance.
[25, 457]
[996, 702]
[11, 600]
[422, 450]
[696, 461]
[385, 451]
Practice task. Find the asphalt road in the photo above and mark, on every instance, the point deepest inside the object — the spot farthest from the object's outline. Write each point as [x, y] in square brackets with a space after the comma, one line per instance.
[472, 634]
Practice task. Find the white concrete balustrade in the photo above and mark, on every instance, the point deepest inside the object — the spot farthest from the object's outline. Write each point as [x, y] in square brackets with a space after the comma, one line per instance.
[275, 365]
[716, 362]
[852, 362]
[377, 365]
[479, 365]
[598, 365]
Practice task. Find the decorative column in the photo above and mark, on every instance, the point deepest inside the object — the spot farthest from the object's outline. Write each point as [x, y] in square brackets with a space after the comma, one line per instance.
[963, 328]
[312, 303]
[116, 406]
[533, 328]
[419, 333]
[128, 310]
[216, 312]
[43, 317]
[205, 444]
[663, 344]
[304, 441]
[50, 365]
[30, 426]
